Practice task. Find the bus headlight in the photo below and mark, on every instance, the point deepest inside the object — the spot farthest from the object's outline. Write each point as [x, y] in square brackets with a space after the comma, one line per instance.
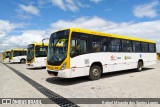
[63, 66]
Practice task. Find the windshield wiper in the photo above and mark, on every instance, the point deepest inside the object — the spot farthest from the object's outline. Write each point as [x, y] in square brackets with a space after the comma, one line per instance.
[56, 44]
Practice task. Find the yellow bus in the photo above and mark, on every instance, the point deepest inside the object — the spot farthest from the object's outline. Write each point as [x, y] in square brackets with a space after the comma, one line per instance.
[90, 53]
[18, 56]
[6, 55]
[37, 55]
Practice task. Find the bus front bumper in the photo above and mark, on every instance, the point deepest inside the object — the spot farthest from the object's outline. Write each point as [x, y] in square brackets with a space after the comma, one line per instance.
[35, 65]
[61, 73]
[29, 65]
[6, 60]
[12, 61]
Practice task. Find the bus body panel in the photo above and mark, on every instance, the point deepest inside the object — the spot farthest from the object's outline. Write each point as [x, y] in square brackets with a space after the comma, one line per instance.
[17, 59]
[38, 63]
[80, 65]
[17, 55]
[6, 60]
[110, 62]
[62, 73]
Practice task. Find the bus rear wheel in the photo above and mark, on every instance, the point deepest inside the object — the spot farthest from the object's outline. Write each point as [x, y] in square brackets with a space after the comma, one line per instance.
[95, 72]
[22, 61]
[139, 66]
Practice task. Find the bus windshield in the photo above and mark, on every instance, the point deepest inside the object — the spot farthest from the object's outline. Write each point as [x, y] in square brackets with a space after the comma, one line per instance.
[7, 55]
[11, 54]
[41, 51]
[57, 50]
[30, 52]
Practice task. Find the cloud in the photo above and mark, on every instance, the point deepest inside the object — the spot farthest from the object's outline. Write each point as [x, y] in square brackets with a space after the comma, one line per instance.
[22, 40]
[42, 2]
[59, 3]
[72, 5]
[6, 27]
[146, 30]
[30, 9]
[96, 1]
[146, 10]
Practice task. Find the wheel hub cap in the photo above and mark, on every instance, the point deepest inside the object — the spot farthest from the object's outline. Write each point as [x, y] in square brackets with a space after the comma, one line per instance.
[95, 72]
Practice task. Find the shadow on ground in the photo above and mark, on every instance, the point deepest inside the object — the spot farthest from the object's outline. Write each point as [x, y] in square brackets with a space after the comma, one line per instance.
[36, 68]
[15, 63]
[72, 81]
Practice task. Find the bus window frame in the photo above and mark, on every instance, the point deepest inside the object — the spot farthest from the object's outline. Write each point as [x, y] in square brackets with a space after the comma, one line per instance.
[90, 40]
[122, 46]
[80, 36]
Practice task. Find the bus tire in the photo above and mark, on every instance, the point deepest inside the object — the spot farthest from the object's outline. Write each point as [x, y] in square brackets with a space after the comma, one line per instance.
[139, 66]
[95, 72]
[22, 61]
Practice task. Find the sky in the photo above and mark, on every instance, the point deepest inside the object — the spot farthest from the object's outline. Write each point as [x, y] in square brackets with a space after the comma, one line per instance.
[26, 21]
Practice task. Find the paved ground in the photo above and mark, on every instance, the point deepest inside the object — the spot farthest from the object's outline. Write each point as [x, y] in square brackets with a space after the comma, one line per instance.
[1, 57]
[122, 84]
[13, 86]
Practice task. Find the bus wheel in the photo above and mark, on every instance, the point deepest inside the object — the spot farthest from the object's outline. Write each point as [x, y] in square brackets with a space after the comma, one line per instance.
[139, 66]
[95, 72]
[22, 61]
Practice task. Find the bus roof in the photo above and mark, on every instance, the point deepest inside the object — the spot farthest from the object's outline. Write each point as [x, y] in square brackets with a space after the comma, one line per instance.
[16, 49]
[110, 35]
[39, 44]
[7, 51]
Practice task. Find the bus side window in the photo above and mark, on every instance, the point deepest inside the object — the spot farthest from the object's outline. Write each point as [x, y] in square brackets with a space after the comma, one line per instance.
[82, 46]
[145, 47]
[96, 44]
[78, 44]
[136, 46]
[73, 49]
[105, 44]
[114, 45]
[151, 47]
[126, 46]
[99, 44]
[20, 54]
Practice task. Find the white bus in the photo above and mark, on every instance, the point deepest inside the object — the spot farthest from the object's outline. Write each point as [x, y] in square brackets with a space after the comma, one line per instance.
[18, 56]
[36, 55]
[89, 53]
[6, 55]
